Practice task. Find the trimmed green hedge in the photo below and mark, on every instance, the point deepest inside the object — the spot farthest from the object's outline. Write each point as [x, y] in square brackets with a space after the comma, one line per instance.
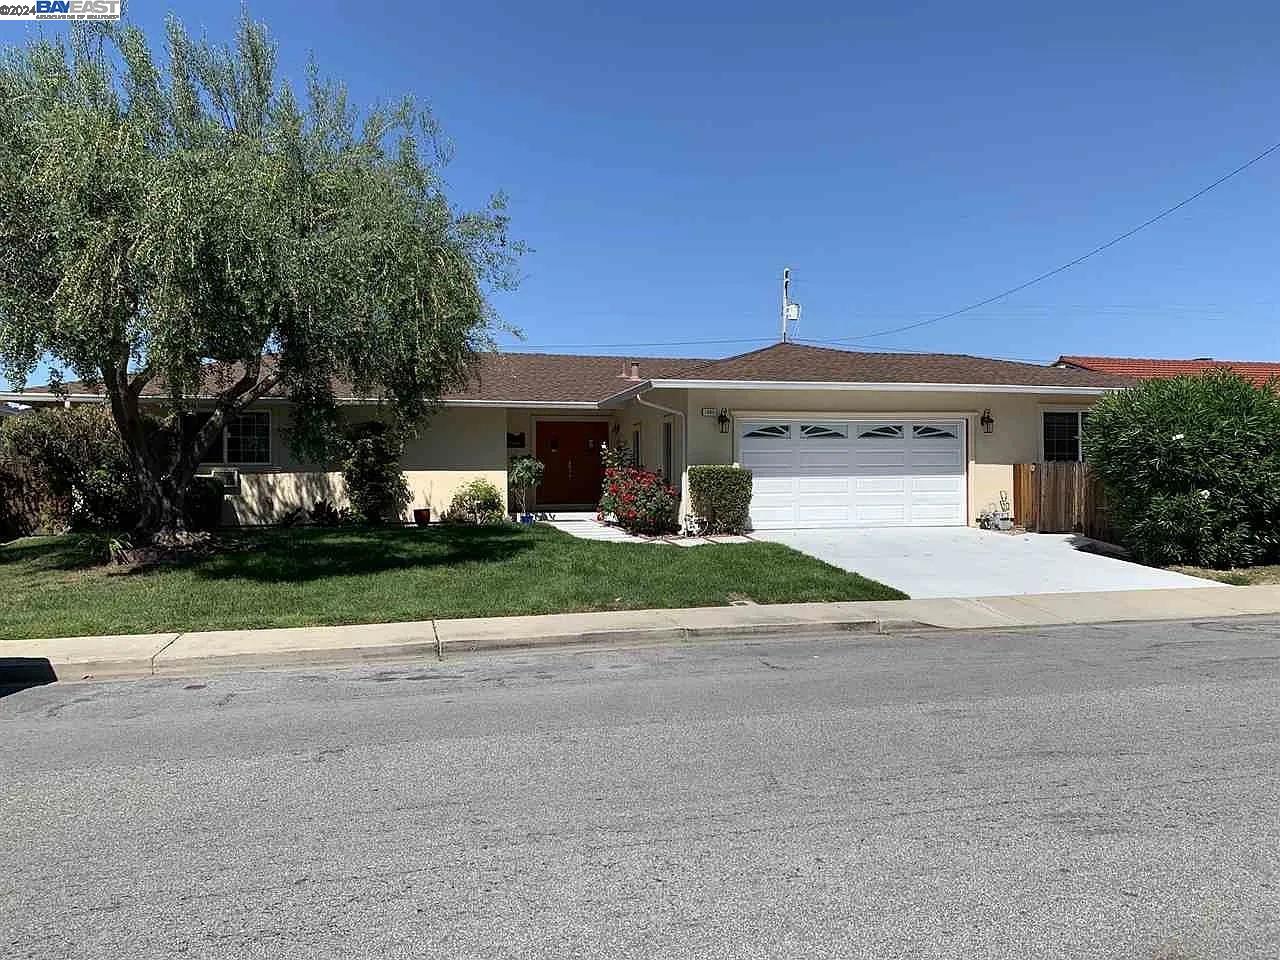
[720, 497]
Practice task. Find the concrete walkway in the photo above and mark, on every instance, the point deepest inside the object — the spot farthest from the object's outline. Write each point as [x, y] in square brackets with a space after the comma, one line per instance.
[589, 528]
[206, 651]
[966, 562]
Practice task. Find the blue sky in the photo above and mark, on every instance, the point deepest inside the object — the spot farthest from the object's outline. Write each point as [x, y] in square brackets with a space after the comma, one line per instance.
[665, 161]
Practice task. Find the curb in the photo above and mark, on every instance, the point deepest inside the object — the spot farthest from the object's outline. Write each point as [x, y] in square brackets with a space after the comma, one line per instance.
[327, 656]
[676, 635]
[25, 670]
[436, 641]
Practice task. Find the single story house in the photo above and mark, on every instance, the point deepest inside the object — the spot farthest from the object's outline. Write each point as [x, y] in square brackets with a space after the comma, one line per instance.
[1258, 372]
[834, 438]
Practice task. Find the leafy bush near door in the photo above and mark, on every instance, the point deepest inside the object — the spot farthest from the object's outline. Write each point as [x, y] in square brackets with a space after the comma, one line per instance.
[1192, 469]
[476, 501]
[720, 497]
[639, 500]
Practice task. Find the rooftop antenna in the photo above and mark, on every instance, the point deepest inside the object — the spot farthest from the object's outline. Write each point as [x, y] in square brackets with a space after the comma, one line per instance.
[790, 311]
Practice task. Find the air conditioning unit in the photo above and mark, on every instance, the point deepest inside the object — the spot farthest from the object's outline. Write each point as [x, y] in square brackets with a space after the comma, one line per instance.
[229, 476]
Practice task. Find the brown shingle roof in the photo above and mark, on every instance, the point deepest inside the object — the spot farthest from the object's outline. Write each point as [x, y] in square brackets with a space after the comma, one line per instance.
[801, 362]
[511, 377]
[564, 378]
[552, 377]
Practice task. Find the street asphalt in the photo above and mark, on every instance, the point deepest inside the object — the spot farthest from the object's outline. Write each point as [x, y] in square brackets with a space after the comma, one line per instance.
[1103, 792]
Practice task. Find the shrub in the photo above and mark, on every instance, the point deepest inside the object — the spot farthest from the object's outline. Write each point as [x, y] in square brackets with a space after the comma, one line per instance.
[476, 501]
[639, 500]
[375, 483]
[1192, 469]
[524, 475]
[76, 456]
[203, 507]
[105, 548]
[326, 514]
[616, 456]
[720, 498]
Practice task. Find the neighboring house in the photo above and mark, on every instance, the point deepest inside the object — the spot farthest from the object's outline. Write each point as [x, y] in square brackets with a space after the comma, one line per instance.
[1143, 368]
[834, 438]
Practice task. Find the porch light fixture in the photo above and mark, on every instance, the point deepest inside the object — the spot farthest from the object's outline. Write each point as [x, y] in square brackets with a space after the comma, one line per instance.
[723, 420]
[988, 422]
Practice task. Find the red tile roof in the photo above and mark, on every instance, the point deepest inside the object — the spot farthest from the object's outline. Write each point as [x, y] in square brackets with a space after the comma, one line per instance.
[1143, 368]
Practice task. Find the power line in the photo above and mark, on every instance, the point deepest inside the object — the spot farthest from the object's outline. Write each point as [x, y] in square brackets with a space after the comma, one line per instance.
[1078, 260]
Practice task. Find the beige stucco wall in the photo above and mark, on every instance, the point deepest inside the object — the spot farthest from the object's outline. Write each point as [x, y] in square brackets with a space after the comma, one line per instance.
[1015, 438]
[461, 443]
[456, 445]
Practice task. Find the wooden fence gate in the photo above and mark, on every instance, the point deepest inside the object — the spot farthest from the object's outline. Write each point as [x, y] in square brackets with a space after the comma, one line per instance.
[1060, 497]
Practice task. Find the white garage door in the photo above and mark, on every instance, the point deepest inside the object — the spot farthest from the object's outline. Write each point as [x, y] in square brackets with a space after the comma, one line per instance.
[854, 473]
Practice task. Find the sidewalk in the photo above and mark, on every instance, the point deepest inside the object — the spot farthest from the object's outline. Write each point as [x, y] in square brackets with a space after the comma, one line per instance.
[187, 653]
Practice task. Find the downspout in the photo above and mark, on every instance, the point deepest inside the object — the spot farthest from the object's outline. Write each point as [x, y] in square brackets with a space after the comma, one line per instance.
[684, 447]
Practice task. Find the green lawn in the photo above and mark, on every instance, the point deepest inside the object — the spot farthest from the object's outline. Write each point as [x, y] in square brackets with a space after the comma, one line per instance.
[301, 577]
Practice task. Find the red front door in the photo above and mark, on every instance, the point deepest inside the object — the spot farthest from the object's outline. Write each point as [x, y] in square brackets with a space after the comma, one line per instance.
[570, 449]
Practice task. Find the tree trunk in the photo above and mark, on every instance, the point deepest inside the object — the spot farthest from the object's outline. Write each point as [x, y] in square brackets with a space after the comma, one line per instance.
[163, 500]
[163, 475]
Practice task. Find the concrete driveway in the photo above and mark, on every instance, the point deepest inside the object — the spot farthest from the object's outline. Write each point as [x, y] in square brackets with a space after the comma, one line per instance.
[964, 562]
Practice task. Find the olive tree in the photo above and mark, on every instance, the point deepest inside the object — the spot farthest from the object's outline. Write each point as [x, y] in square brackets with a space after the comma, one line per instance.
[187, 225]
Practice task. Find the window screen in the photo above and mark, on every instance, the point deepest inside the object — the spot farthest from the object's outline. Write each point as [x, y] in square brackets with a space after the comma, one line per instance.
[1062, 436]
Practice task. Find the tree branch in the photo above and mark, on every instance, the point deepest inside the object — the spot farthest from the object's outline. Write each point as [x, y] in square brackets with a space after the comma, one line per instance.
[250, 387]
[141, 379]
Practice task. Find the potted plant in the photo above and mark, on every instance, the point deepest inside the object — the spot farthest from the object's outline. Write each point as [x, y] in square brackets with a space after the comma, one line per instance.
[422, 516]
[524, 475]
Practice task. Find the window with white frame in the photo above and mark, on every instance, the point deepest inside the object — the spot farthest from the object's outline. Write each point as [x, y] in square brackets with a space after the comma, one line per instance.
[246, 438]
[635, 446]
[1062, 431]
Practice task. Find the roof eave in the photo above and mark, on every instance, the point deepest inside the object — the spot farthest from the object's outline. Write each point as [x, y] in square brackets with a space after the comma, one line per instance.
[618, 399]
[1087, 391]
[28, 397]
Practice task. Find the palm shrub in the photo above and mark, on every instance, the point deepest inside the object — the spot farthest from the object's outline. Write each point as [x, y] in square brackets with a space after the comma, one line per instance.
[375, 483]
[720, 498]
[1191, 467]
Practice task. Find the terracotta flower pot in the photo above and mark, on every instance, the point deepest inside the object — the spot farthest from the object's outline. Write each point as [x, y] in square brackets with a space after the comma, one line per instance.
[422, 517]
